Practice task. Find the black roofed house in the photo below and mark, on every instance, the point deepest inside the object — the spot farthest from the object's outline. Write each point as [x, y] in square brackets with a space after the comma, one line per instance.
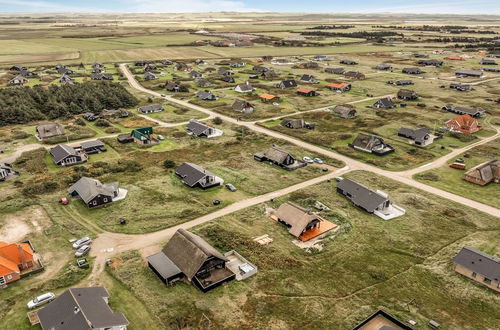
[102, 76]
[242, 106]
[237, 64]
[406, 94]
[430, 62]
[143, 136]
[81, 309]
[187, 256]
[27, 74]
[119, 113]
[151, 108]
[478, 266]
[97, 65]
[420, 137]
[473, 112]
[307, 92]
[6, 172]
[468, 73]
[93, 147]
[348, 62]
[403, 82]
[260, 68]
[371, 144]
[308, 79]
[296, 123]
[194, 176]
[98, 70]
[48, 130]
[290, 83]
[227, 79]
[167, 62]
[65, 71]
[195, 74]
[203, 83]
[149, 67]
[18, 80]
[302, 223]
[321, 58]
[65, 79]
[381, 320]
[64, 155]
[383, 66]
[141, 63]
[206, 95]
[224, 72]
[354, 75]
[460, 87]
[345, 111]
[149, 76]
[172, 86]
[307, 65]
[94, 193]
[281, 158]
[486, 61]
[244, 88]
[384, 103]
[335, 70]
[412, 71]
[269, 74]
[490, 69]
[198, 129]
[376, 202]
[18, 67]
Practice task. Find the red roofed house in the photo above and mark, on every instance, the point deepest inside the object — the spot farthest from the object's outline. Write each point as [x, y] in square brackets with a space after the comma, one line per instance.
[463, 124]
[342, 87]
[268, 98]
[15, 259]
[307, 92]
[454, 58]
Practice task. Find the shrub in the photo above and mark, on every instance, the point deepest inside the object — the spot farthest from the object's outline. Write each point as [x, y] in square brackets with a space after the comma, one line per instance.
[430, 176]
[80, 121]
[217, 120]
[18, 135]
[168, 163]
[40, 188]
[102, 123]
[112, 130]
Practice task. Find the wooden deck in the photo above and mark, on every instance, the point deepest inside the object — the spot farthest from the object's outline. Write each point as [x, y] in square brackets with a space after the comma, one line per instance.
[324, 226]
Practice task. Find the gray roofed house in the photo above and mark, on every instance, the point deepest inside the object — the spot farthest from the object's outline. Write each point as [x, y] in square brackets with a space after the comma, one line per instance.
[371, 144]
[354, 75]
[383, 66]
[92, 147]
[195, 176]
[6, 172]
[403, 82]
[203, 83]
[478, 266]
[65, 79]
[431, 62]
[172, 86]
[269, 74]
[468, 73]
[94, 193]
[460, 87]
[26, 73]
[484, 173]
[102, 76]
[412, 71]
[290, 83]
[244, 88]
[348, 62]
[81, 309]
[195, 74]
[486, 61]
[149, 76]
[65, 155]
[420, 137]
[48, 130]
[18, 67]
[227, 79]
[260, 68]
[296, 123]
[206, 95]
[308, 79]
[384, 103]
[237, 64]
[151, 108]
[335, 70]
[18, 80]
[281, 158]
[297, 219]
[225, 72]
[490, 69]
[243, 106]
[199, 129]
[65, 71]
[376, 202]
[196, 260]
[473, 112]
[345, 111]
[406, 94]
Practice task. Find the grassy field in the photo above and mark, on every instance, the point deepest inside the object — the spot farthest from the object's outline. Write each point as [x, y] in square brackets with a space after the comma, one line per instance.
[368, 264]
[450, 179]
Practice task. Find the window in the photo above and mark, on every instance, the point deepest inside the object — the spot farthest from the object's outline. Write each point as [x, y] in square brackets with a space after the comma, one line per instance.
[474, 274]
[2, 280]
[105, 199]
[487, 280]
[94, 203]
[9, 277]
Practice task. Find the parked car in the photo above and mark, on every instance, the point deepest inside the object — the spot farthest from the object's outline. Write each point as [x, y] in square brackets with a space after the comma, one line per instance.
[81, 242]
[163, 95]
[41, 300]
[230, 187]
[318, 160]
[339, 178]
[83, 250]
[307, 159]
[160, 137]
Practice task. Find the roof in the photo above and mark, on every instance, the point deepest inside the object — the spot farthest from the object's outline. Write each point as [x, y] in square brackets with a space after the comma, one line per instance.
[245, 86]
[163, 265]
[92, 144]
[241, 105]
[343, 109]
[151, 107]
[463, 120]
[361, 195]
[338, 86]
[196, 127]
[206, 94]
[277, 155]
[12, 255]
[479, 262]
[386, 102]
[191, 173]
[469, 72]
[267, 96]
[307, 77]
[80, 309]
[46, 130]
[406, 93]
[62, 151]
[89, 188]
[289, 83]
[297, 217]
[304, 90]
[142, 133]
[293, 122]
[487, 171]
[416, 135]
[189, 251]
[381, 320]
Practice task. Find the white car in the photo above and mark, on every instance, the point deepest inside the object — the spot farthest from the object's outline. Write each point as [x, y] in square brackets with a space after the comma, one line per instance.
[81, 242]
[41, 300]
[83, 250]
[307, 159]
[318, 160]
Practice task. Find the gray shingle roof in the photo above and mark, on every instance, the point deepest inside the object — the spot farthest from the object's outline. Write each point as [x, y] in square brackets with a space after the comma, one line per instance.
[361, 195]
[89, 188]
[191, 173]
[92, 144]
[479, 262]
[62, 151]
[196, 127]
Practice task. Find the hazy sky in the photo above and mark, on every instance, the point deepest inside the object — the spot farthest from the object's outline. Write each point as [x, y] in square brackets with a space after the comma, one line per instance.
[316, 6]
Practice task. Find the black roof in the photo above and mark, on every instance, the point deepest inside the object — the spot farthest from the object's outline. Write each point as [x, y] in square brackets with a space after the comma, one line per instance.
[163, 265]
[80, 309]
[196, 127]
[386, 102]
[62, 151]
[92, 144]
[414, 134]
[380, 314]
[191, 173]
[289, 83]
[307, 77]
[479, 262]
[151, 107]
[361, 195]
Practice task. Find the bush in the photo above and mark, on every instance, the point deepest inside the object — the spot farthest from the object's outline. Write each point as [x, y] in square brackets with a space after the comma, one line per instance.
[40, 188]
[102, 123]
[80, 121]
[217, 120]
[112, 130]
[430, 176]
[168, 163]
[18, 135]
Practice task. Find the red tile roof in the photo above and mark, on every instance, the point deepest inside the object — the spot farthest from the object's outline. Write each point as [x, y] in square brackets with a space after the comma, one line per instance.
[10, 256]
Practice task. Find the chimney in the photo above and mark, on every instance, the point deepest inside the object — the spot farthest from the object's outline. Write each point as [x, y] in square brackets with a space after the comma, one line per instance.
[24, 264]
[76, 310]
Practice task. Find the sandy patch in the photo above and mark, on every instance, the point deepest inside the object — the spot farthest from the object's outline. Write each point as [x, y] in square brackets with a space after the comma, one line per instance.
[16, 226]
